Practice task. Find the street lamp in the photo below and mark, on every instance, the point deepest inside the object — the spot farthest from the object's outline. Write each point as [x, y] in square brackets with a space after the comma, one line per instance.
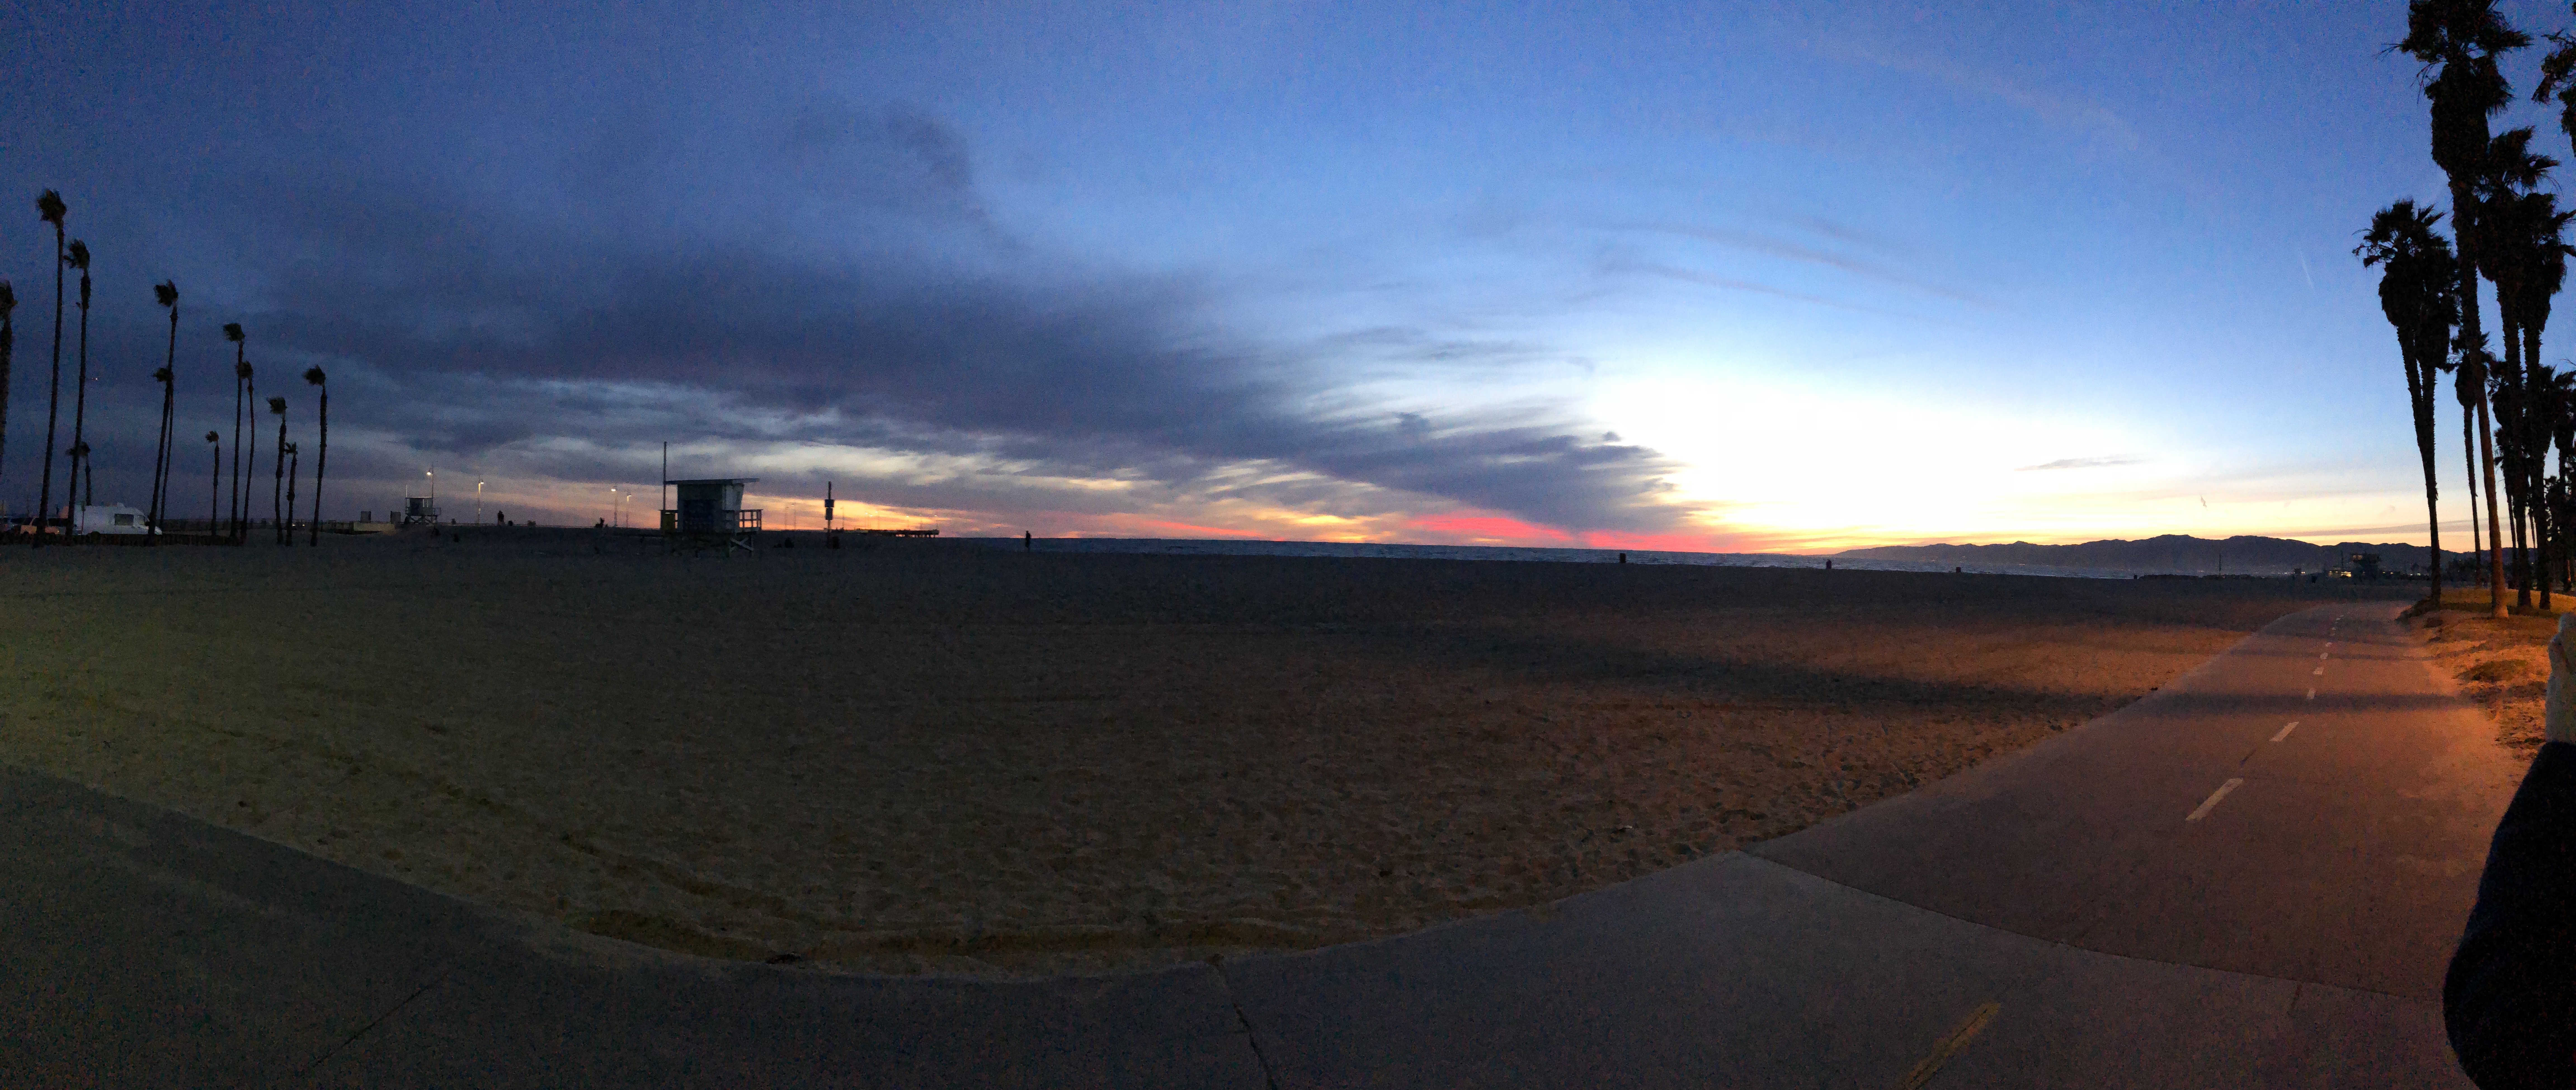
[478, 503]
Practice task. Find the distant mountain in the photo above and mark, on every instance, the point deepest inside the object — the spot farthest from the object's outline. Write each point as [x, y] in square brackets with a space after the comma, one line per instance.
[2177, 553]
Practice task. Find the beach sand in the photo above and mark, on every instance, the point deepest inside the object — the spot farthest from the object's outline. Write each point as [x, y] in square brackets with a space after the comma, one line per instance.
[932, 756]
[2501, 666]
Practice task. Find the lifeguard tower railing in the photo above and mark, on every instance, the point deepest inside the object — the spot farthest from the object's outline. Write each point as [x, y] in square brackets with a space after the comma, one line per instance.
[711, 521]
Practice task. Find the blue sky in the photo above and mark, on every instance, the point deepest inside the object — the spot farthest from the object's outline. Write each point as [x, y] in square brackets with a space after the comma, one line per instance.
[1780, 277]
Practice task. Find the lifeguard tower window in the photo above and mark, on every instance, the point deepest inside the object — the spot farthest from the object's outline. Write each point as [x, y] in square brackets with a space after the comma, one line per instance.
[2364, 565]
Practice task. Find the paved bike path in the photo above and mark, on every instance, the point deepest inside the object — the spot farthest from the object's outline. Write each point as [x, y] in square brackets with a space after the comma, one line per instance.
[2054, 918]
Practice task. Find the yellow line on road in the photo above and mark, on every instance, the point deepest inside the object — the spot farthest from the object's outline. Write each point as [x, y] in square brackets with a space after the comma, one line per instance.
[1949, 1046]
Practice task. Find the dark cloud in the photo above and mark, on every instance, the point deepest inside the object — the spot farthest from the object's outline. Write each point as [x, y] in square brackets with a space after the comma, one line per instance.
[496, 328]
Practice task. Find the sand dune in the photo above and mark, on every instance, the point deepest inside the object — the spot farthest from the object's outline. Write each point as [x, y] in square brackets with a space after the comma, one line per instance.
[929, 756]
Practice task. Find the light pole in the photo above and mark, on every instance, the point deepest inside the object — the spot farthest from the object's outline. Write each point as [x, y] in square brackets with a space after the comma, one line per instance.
[478, 503]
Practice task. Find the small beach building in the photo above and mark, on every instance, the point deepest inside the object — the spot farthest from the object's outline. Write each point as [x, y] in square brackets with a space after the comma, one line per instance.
[710, 506]
[708, 514]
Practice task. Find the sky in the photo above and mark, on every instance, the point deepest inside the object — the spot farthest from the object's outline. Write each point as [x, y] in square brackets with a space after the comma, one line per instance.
[1703, 276]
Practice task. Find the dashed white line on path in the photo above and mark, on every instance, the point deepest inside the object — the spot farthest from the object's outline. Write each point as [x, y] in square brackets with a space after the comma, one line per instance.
[2285, 731]
[2312, 694]
[2321, 669]
[2213, 798]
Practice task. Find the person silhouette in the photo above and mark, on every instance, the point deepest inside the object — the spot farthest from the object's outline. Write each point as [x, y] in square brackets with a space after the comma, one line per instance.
[2512, 982]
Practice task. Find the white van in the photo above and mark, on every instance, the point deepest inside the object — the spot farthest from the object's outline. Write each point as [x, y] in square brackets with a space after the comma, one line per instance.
[109, 518]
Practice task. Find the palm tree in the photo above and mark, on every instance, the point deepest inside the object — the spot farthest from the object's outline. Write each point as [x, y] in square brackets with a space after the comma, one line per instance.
[2458, 42]
[2414, 292]
[49, 206]
[167, 294]
[277, 486]
[2555, 392]
[2540, 259]
[241, 386]
[8, 347]
[2562, 430]
[321, 455]
[2516, 227]
[2558, 81]
[79, 258]
[214, 480]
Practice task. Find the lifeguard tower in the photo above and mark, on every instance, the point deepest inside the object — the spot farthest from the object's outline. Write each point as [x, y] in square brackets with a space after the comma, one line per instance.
[709, 514]
[420, 511]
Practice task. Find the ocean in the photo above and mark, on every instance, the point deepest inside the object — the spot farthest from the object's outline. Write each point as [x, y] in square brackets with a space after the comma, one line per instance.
[1226, 547]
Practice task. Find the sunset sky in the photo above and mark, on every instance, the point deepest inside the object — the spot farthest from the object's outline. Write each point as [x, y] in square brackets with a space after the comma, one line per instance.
[1727, 277]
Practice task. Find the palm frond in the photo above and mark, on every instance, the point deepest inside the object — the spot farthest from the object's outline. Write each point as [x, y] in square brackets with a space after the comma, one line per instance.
[2445, 31]
[233, 332]
[313, 375]
[277, 405]
[49, 206]
[78, 258]
[166, 293]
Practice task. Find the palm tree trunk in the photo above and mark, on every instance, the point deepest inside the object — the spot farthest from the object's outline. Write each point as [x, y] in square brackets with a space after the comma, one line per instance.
[53, 405]
[161, 451]
[2464, 241]
[8, 348]
[250, 460]
[232, 510]
[80, 406]
[2495, 521]
[277, 485]
[291, 471]
[2520, 524]
[2422, 395]
[2512, 404]
[321, 460]
[215, 489]
[2469, 462]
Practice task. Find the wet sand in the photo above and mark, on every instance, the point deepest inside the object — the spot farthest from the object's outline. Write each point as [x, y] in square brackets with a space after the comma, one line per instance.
[929, 756]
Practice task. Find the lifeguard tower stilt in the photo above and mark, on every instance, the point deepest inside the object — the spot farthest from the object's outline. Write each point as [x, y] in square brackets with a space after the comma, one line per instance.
[708, 514]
